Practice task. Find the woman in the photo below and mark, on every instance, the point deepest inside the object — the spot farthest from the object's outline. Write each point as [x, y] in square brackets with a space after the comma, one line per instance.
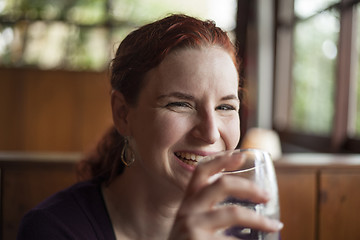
[174, 101]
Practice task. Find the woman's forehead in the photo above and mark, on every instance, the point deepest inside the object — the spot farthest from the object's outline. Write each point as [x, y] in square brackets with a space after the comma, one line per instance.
[190, 69]
[195, 58]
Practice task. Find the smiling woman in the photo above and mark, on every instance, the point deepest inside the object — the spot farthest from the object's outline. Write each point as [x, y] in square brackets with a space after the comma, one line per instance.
[174, 101]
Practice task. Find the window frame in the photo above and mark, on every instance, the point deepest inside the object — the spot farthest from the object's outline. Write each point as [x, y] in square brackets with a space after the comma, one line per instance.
[339, 139]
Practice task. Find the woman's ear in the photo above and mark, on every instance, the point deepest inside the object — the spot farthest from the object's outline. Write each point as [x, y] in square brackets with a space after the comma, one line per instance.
[120, 109]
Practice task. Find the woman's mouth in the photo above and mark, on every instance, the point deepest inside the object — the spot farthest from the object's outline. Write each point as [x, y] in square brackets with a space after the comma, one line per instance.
[189, 158]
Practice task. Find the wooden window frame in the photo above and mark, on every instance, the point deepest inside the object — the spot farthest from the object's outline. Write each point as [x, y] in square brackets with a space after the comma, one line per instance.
[339, 139]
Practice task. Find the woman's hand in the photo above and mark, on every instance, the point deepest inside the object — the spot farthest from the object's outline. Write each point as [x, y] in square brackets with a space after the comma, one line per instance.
[200, 216]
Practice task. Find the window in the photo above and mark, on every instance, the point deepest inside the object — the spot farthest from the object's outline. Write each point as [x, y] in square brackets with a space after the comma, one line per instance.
[82, 35]
[317, 95]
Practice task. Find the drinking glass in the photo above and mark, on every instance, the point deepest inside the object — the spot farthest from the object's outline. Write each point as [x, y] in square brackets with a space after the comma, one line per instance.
[257, 166]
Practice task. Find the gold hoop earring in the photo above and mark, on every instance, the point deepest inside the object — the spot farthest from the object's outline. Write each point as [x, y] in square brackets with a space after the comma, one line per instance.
[127, 154]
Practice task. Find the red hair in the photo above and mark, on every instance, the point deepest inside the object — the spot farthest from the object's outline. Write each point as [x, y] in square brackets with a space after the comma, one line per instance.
[147, 46]
[142, 50]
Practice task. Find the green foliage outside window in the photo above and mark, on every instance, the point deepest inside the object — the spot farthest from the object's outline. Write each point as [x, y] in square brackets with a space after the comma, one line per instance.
[82, 34]
[314, 70]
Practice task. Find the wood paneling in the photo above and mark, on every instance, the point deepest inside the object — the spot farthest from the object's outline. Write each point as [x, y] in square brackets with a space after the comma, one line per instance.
[24, 185]
[298, 197]
[10, 112]
[339, 205]
[52, 110]
[319, 196]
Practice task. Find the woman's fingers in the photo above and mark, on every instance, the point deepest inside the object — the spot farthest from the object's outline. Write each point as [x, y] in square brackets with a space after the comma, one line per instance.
[209, 168]
[209, 187]
[223, 187]
[210, 224]
[201, 215]
[235, 215]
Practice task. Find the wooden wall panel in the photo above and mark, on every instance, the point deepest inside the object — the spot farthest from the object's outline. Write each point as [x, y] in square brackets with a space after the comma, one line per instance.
[10, 111]
[25, 184]
[297, 192]
[53, 110]
[96, 111]
[339, 205]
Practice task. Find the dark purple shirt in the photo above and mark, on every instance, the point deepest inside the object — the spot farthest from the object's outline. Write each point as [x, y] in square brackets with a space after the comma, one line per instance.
[78, 212]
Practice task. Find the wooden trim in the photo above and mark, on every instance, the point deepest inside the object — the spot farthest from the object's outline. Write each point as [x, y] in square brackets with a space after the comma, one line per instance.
[283, 64]
[340, 139]
[317, 161]
[9, 159]
[343, 79]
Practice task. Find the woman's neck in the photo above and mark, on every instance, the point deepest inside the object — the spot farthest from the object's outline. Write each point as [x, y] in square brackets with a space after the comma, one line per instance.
[139, 209]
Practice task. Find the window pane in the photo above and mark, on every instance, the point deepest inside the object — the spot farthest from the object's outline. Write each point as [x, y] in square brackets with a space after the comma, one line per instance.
[87, 12]
[143, 11]
[306, 8]
[88, 48]
[315, 54]
[46, 44]
[10, 8]
[82, 34]
[6, 38]
[11, 43]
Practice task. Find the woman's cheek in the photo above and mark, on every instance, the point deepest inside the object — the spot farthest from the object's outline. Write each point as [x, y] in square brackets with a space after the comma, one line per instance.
[170, 128]
[232, 129]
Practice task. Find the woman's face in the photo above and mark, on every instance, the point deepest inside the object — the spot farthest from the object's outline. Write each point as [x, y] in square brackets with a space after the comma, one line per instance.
[187, 109]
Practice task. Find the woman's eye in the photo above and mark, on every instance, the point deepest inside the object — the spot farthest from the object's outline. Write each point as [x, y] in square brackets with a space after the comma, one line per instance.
[179, 104]
[226, 107]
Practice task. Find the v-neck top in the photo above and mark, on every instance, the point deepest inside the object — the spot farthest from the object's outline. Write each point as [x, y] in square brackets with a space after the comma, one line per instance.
[78, 212]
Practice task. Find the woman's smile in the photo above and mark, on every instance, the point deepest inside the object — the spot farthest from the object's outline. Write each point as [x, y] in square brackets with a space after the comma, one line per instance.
[189, 158]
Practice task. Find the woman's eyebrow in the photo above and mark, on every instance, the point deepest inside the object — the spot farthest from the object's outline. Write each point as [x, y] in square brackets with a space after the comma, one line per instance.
[178, 95]
[189, 97]
[231, 97]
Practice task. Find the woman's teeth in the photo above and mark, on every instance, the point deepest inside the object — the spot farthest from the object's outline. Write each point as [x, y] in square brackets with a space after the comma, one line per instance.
[189, 158]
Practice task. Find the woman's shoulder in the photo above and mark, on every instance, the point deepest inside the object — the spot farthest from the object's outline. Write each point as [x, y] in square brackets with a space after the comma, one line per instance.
[79, 193]
[77, 212]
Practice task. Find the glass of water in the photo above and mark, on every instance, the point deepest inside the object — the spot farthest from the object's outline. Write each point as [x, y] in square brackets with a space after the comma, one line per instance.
[257, 166]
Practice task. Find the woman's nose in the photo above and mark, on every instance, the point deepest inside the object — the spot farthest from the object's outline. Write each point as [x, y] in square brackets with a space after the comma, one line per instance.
[207, 128]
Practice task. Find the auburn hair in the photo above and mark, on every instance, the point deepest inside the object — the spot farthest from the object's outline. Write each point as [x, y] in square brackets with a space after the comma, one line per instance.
[142, 50]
